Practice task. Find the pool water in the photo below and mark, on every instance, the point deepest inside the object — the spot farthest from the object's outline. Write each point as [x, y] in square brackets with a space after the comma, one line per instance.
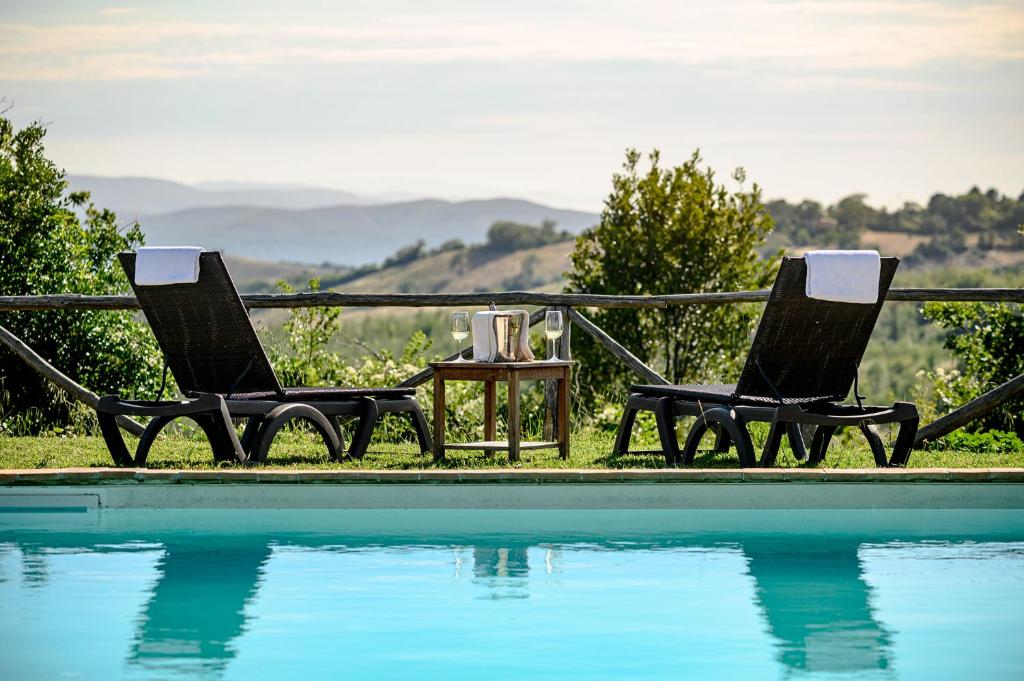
[512, 594]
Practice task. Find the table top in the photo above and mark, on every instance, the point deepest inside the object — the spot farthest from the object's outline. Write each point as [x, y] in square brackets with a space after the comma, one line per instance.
[470, 365]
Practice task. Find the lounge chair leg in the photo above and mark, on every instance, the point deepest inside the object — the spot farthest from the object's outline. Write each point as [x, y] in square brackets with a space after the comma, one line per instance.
[281, 415]
[904, 442]
[625, 431]
[875, 442]
[251, 433]
[667, 431]
[112, 432]
[367, 422]
[153, 428]
[336, 425]
[419, 424]
[220, 432]
[735, 426]
[819, 444]
[904, 439]
[772, 444]
[693, 438]
[722, 440]
[796, 441]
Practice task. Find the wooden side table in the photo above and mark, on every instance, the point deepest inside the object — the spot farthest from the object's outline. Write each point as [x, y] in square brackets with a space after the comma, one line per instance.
[490, 373]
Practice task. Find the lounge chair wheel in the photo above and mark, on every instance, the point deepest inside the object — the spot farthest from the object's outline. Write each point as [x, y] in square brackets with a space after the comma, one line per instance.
[281, 415]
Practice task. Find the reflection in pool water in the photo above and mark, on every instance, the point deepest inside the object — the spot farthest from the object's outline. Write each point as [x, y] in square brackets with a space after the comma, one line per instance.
[524, 595]
[178, 630]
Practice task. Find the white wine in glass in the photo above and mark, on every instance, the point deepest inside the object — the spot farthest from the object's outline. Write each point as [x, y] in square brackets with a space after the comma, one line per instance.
[460, 332]
[553, 331]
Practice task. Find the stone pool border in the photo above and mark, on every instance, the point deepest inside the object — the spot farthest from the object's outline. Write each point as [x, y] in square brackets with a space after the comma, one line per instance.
[153, 476]
[82, 489]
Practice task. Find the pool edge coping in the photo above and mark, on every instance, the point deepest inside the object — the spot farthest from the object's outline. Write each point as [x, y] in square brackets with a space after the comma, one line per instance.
[144, 476]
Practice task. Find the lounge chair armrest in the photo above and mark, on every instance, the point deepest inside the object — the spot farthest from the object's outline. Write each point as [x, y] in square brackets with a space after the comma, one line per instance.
[848, 415]
[112, 404]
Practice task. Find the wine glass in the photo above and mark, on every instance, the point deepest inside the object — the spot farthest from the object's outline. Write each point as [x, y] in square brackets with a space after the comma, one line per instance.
[460, 332]
[553, 331]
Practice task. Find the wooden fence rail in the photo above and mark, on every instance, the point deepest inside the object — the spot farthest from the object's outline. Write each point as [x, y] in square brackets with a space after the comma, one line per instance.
[333, 299]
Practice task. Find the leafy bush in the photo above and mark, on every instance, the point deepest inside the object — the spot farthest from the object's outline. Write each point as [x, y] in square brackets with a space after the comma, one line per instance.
[988, 343]
[987, 442]
[46, 248]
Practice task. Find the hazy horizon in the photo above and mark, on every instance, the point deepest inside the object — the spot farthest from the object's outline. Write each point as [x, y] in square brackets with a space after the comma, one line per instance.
[465, 100]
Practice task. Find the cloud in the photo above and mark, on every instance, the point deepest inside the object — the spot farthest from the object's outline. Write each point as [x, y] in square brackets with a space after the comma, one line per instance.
[831, 36]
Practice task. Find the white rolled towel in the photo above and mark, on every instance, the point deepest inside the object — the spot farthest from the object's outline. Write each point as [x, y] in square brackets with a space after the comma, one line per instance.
[162, 265]
[485, 342]
[843, 276]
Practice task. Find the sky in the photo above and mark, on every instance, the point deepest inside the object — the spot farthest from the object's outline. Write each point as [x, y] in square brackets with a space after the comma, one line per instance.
[534, 99]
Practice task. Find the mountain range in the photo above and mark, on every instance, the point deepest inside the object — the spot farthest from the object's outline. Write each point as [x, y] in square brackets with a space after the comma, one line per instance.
[305, 224]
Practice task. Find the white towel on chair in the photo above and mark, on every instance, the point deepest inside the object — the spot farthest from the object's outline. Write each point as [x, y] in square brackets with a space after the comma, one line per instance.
[161, 265]
[485, 342]
[843, 276]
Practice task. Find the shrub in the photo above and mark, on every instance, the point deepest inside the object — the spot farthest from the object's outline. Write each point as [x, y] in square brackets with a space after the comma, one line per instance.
[45, 247]
[988, 343]
[987, 442]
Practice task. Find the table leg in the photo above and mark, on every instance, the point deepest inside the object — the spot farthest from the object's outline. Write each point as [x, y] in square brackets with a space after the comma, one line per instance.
[513, 416]
[490, 410]
[439, 417]
[563, 415]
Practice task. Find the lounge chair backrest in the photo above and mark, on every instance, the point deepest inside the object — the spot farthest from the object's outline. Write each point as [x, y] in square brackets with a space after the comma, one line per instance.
[807, 348]
[205, 332]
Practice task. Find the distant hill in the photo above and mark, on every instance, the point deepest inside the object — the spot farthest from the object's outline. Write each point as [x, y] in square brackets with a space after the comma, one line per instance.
[301, 224]
[132, 197]
[347, 234]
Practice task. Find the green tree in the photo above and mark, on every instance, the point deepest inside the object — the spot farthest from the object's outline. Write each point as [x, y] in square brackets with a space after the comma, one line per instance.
[988, 343]
[514, 236]
[672, 230]
[45, 247]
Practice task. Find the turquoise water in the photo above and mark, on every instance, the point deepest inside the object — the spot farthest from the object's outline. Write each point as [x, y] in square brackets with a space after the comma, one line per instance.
[512, 595]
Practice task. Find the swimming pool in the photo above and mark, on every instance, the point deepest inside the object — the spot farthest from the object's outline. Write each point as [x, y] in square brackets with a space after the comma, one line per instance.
[527, 594]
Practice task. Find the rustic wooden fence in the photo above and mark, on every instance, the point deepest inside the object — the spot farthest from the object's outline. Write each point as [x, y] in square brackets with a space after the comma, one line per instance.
[570, 304]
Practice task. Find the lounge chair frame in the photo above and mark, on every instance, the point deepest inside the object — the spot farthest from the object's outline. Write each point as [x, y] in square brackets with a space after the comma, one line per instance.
[787, 381]
[219, 363]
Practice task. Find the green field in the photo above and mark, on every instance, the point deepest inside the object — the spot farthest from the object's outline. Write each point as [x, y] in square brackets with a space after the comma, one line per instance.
[590, 449]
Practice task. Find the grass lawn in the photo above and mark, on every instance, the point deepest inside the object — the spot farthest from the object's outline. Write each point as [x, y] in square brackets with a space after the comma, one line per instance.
[590, 449]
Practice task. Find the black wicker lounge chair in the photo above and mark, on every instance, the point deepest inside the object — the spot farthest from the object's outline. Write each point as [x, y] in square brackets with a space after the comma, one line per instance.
[803, 361]
[214, 354]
